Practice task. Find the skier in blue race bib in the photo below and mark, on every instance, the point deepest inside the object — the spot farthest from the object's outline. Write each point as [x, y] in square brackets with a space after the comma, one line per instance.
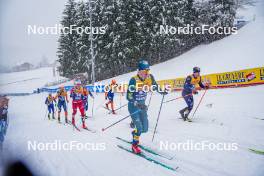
[3, 119]
[190, 87]
[136, 96]
[109, 95]
[50, 100]
[62, 102]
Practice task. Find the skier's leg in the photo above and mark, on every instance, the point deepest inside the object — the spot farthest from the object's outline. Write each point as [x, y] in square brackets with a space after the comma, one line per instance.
[107, 104]
[144, 120]
[74, 111]
[59, 110]
[81, 108]
[52, 110]
[190, 105]
[2, 131]
[137, 122]
[49, 111]
[185, 111]
[65, 112]
[112, 107]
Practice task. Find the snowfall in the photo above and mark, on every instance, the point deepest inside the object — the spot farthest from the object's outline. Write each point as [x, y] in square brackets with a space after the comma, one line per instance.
[229, 115]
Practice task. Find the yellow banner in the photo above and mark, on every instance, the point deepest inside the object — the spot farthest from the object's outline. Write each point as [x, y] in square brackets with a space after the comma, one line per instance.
[227, 79]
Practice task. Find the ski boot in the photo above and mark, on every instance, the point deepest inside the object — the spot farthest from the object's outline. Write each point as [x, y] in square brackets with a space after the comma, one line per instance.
[182, 112]
[73, 121]
[59, 117]
[186, 116]
[135, 142]
[83, 124]
[53, 117]
[49, 116]
[136, 149]
[66, 120]
[113, 111]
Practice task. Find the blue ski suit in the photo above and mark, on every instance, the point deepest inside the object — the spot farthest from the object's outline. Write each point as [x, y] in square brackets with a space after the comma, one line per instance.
[189, 86]
[49, 102]
[136, 100]
[3, 123]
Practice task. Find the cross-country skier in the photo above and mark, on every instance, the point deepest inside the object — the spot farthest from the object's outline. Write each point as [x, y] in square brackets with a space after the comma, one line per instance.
[50, 105]
[190, 88]
[62, 99]
[110, 95]
[3, 119]
[136, 97]
[77, 94]
[86, 93]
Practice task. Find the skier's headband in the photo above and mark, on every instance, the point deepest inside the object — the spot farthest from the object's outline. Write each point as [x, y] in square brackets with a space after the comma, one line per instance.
[146, 71]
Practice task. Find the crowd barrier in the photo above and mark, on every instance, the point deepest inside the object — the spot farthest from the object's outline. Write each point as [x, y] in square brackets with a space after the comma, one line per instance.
[240, 78]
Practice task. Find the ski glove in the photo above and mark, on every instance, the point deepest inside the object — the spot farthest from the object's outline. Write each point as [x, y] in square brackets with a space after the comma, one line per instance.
[140, 106]
[207, 87]
[164, 93]
[195, 92]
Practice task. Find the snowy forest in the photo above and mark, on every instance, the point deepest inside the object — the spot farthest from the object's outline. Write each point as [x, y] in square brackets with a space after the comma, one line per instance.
[132, 32]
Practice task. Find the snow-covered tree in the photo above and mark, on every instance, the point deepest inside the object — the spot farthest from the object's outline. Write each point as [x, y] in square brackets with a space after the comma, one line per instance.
[68, 52]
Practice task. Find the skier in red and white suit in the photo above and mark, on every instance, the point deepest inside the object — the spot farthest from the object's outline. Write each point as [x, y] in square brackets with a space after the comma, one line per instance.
[77, 94]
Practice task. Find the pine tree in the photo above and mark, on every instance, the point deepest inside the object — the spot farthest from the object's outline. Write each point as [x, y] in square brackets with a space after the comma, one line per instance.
[68, 51]
[83, 63]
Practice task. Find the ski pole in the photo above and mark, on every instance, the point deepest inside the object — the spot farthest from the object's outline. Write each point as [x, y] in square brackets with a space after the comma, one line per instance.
[93, 108]
[199, 103]
[103, 129]
[118, 108]
[120, 99]
[158, 117]
[150, 99]
[177, 98]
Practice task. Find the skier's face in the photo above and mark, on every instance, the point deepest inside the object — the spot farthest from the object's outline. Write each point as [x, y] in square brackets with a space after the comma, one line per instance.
[143, 73]
[196, 74]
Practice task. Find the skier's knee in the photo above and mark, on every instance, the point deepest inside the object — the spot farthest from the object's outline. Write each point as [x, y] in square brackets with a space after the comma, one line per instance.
[74, 111]
[144, 130]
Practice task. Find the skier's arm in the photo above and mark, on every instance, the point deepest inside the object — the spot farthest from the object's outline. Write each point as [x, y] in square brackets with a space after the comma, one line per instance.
[156, 86]
[54, 99]
[131, 88]
[46, 101]
[201, 84]
[188, 86]
[154, 83]
[66, 96]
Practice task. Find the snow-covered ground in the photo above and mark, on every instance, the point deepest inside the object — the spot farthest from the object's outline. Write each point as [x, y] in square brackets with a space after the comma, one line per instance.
[225, 116]
[27, 81]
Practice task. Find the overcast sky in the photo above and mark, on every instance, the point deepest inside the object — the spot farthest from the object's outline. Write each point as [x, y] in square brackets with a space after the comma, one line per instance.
[15, 44]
